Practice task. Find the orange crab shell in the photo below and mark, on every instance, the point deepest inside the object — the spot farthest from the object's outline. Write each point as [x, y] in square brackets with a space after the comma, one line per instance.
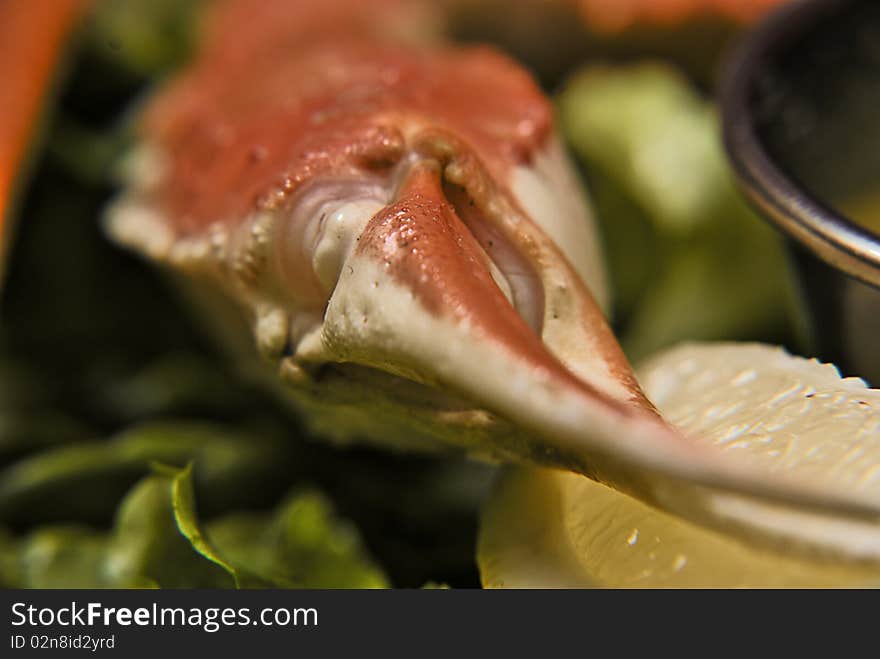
[241, 137]
[33, 36]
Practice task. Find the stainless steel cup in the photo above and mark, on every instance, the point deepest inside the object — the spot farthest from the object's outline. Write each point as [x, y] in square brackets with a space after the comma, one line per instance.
[800, 101]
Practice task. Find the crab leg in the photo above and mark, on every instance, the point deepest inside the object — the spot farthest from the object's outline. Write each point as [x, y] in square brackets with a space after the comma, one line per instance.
[33, 35]
[401, 226]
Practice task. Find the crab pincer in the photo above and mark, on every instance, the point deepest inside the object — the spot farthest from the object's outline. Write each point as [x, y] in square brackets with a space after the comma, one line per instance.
[418, 263]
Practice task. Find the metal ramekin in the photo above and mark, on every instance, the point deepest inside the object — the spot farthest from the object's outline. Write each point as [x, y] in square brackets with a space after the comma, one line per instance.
[800, 99]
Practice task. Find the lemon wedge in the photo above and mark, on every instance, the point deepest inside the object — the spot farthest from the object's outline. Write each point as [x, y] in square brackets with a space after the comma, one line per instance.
[787, 415]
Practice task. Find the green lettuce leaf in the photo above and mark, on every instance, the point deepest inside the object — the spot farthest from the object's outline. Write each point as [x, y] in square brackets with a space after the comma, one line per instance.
[158, 540]
[688, 258]
[82, 481]
[153, 539]
[302, 544]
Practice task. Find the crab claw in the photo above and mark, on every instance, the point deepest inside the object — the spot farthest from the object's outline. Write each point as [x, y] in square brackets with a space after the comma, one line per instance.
[452, 287]
[419, 264]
